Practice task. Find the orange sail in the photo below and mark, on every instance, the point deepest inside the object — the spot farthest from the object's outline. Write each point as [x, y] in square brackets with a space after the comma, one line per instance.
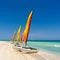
[27, 28]
[20, 40]
[18, 34]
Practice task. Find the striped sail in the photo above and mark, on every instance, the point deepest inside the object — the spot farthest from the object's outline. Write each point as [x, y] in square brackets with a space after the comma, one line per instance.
[27, 28]
[18, 33]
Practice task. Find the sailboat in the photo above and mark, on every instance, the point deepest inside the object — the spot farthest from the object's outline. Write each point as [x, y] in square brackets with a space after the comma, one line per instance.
[27, 28]
[25, 37]
[13, 37]
[18, 37]
[18, 33]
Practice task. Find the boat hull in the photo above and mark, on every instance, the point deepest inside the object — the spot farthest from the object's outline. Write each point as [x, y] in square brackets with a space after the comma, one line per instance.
[26, 49]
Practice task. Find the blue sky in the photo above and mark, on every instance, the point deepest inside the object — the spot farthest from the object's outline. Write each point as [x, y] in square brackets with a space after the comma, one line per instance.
[45, 22]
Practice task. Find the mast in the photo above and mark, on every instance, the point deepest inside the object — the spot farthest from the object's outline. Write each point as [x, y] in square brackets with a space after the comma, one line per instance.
[27, 28]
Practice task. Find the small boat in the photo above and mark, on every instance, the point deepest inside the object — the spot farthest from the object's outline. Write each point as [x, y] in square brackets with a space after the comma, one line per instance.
[25, 34]
[18, 37]
[13, 38]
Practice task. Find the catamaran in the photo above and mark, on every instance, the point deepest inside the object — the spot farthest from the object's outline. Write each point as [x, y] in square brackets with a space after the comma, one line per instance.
[25, 37]
[18, 37]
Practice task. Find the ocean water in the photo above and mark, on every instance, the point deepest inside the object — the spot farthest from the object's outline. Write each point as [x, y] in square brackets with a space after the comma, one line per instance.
[50, 46]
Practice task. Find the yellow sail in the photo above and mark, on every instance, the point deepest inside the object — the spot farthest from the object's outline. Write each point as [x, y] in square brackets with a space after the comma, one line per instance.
[18, 33]
[27, 28]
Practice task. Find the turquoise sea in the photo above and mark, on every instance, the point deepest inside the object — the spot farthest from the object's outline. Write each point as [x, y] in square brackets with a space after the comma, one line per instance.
[52, 46]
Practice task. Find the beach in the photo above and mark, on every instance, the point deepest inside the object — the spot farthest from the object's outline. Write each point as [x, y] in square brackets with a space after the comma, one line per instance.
[7, 52]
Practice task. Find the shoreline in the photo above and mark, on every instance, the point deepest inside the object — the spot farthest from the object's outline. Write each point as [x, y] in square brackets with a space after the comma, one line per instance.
[8, 53]
[50, 52]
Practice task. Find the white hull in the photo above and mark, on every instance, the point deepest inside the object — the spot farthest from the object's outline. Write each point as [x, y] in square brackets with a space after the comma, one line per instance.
[26, 50]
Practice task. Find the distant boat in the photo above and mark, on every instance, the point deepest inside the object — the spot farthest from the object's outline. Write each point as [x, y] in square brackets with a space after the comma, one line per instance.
[18, 37]
[13, 37]
[25, 37]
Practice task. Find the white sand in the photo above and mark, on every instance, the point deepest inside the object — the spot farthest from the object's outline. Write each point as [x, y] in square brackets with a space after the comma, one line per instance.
[8, 53]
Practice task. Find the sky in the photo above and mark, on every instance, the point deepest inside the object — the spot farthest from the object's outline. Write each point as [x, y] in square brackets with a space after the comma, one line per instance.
[45, 23]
